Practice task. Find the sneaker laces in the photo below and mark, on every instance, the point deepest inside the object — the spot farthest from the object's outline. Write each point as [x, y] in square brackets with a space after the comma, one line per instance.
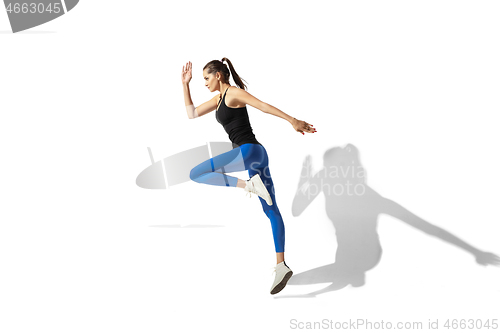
[250, 189]
[274, 268]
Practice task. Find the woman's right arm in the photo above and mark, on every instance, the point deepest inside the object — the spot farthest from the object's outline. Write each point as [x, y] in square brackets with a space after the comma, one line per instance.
[186, 76]
[190, 109]
[307, 182]
[201, 110]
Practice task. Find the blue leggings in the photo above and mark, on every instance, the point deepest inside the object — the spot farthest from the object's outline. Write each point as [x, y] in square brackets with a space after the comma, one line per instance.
[251, 157]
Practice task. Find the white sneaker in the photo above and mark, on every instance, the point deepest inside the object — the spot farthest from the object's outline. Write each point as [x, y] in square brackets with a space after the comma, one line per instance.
[255, 185]
[283, 274]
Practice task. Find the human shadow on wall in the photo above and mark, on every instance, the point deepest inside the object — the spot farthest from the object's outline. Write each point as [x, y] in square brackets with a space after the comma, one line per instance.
[354, 207]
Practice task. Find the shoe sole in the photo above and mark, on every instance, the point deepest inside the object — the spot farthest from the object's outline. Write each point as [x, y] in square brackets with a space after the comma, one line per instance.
[268, 200]
[279, 287]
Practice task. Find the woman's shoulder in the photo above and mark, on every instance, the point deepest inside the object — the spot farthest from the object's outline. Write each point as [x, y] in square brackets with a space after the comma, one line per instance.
[233, 96]
[236, 92]
[234, 89]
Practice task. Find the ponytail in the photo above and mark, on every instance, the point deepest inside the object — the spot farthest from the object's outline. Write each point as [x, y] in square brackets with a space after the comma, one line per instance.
[236, 77]
[215, 66]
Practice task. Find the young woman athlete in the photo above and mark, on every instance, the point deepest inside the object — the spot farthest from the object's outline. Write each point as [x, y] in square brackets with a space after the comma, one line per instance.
[247, 153]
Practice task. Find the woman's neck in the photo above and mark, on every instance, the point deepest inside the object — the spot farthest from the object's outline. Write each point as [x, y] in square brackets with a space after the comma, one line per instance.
[223, 88]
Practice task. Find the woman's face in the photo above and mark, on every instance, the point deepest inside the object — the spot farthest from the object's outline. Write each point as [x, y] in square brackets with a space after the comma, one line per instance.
[211, 81]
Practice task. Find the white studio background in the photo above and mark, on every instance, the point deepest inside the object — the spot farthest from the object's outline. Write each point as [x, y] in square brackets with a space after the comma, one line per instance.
[413, 85]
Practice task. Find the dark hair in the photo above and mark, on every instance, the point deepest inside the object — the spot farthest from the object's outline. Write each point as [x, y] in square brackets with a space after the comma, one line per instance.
[215, 66]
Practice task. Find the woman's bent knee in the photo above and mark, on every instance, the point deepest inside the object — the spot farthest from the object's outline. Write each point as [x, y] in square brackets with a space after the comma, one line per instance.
[194, 173]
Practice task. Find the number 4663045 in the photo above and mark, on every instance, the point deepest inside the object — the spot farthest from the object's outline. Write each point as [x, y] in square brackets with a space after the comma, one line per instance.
[33, 8]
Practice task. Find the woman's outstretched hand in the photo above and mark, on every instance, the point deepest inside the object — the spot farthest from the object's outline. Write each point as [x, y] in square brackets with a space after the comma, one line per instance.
[487, 258]
[301, 126]
[187, 73]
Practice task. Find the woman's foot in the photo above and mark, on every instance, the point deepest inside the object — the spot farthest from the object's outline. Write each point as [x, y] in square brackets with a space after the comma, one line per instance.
[255, 185]
[283, 274]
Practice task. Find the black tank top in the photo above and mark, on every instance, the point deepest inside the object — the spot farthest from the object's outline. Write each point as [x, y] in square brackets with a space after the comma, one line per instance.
[236, 123]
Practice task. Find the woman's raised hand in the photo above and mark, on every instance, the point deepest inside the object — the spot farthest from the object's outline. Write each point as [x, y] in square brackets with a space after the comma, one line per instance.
[301, 126]
[306, 174]
[186, 73]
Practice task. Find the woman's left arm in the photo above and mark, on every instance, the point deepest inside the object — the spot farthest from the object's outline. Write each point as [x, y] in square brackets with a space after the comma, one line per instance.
[392, 208]
[242, 96]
